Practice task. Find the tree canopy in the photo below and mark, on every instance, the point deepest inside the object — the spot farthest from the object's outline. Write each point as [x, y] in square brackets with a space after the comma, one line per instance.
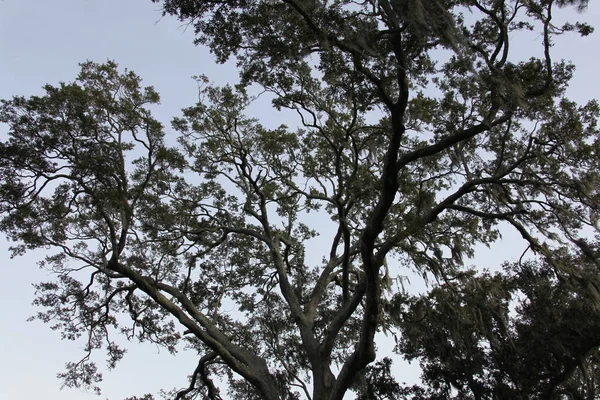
[277, 253]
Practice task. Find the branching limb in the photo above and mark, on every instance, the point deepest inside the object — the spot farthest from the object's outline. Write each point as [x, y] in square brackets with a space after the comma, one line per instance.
[202, 372]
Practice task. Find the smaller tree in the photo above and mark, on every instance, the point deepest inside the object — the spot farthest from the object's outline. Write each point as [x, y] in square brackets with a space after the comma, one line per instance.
[472, 342]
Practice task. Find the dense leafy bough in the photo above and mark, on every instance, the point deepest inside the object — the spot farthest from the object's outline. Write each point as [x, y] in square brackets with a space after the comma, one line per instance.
[274, 252]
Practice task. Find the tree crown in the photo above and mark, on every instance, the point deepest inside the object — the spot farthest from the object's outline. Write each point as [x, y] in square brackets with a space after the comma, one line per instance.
[274, 252]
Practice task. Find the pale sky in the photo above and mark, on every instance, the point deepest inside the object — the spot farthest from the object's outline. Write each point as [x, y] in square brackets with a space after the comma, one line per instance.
[42, 41]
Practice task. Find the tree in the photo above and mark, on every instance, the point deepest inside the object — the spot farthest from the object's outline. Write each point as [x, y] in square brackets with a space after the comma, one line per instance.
[466, 338]
[420, 135]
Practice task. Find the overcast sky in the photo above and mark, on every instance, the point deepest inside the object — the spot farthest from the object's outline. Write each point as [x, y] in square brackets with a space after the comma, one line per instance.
[42, 41]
